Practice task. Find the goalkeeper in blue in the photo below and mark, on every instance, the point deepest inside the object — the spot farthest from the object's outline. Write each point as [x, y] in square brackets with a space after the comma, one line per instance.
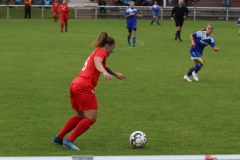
[131, 15]
[199, 40]
[155, 8]
[238, 23]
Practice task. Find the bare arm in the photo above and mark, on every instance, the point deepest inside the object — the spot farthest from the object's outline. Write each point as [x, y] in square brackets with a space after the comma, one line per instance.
[98, 64]
[118, 75]
[126, 16]
[133, 14]
[192, 40]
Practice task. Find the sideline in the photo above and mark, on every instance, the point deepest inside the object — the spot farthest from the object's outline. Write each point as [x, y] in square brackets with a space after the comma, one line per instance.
[166, 157]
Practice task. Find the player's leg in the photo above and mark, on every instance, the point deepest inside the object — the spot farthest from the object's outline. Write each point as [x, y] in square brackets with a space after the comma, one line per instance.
[179, 33]
[29, 13]
[75, 103]
[134, 36]
[134, 28]
[25, 16]
[198, 64]
[157, 20]
[189, 73]
[179, 29]
[90, 117]
[153, 19]
[87, 109]
[71, 122]
[177, 25]
[62, 23]
[66, 24]
[198, 61]
[129, 36]
[84, 125]
[57, 16]
[54, 16]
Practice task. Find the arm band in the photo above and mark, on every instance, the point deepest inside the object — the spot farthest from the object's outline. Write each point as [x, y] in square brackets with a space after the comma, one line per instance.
[109, 71]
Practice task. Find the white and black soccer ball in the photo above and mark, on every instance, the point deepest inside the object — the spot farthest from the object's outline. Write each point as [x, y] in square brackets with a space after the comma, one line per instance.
[138, 139]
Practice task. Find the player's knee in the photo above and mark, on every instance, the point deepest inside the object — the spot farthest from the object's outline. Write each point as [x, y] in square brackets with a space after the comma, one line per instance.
[200, 60]
[93, 119]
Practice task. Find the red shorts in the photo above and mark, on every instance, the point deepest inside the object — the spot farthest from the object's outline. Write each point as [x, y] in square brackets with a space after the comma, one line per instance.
[82, 98]
[64, 17]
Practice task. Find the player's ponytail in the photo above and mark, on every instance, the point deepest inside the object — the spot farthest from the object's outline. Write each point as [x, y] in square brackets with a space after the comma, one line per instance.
[103, 39]
[205, 28]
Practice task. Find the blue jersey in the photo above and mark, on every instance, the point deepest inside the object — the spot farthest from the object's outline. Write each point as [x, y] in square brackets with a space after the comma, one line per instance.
[131, 20]
[131, 11]
[201, 41]
[155, 9]
[238, 22]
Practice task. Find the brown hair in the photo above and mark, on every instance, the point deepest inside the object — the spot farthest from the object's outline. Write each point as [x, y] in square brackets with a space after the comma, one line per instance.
[103, 39]
[205, 28]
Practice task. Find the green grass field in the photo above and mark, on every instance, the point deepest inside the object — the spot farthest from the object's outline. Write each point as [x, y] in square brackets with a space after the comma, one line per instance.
[37, 64]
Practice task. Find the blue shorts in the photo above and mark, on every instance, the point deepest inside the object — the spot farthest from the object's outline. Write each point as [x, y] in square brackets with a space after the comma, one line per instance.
[155, 14]
[195, 55]
[132, 25]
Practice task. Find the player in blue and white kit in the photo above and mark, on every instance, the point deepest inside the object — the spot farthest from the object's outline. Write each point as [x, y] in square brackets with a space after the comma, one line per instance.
[131, 15]
[199, 40]
[155, 8]
[238, 23]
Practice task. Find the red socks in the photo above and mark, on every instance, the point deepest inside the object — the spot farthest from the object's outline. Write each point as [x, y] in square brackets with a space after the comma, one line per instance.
[81, 127]
[70, 125]
[55, 18]
[62, 25]
[66, 25]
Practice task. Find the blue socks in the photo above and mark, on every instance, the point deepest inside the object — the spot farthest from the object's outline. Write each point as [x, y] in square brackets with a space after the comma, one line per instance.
[198, 67]
[134, 39]
[128, 38]
[195, 68]
[190, 71]
[152, 21]
[156, 21]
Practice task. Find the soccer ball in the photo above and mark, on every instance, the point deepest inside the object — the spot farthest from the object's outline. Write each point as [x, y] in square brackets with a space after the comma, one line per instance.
[138, 139]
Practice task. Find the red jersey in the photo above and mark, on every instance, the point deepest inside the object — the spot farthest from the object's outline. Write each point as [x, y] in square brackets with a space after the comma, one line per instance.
[64, 9]
[55, 6]
[27, 5]
[89, 75]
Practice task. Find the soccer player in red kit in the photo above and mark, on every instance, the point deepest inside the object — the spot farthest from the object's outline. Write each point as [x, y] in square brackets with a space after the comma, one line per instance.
[64, 9]
[83, 99]
[27, 8]
[55, 10]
